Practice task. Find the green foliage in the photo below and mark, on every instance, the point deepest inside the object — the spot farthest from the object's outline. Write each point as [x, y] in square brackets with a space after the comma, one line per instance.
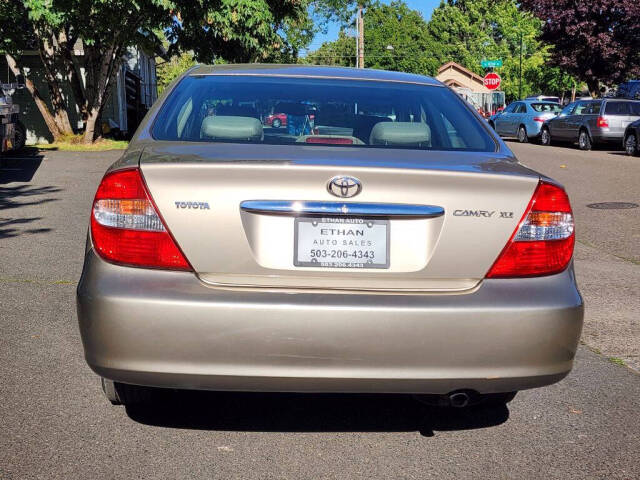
[469, 31]
[167, 72]
[395, 38]
[341, 52]
[463, 31]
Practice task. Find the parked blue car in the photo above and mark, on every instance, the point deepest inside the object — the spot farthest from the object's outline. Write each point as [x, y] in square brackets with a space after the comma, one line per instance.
[523, 119]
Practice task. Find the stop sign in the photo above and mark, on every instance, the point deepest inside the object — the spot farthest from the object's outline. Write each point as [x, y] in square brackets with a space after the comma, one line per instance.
[492, 80]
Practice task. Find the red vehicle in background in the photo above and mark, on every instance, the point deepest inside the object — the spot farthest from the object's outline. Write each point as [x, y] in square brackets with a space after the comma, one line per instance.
[276, 120]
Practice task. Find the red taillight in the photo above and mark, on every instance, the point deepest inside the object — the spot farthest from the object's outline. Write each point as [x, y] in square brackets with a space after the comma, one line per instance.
[542, 243]
[539, 119]
[126, 227]
[603, 122]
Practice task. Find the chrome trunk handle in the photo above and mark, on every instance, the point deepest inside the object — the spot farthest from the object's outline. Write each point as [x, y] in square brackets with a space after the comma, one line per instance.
[351, 209]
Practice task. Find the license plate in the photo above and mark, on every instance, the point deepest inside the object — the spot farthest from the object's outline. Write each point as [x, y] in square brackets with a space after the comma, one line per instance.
[338, 242]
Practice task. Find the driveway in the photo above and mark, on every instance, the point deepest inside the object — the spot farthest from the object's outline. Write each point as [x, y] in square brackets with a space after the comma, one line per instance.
[55, 423]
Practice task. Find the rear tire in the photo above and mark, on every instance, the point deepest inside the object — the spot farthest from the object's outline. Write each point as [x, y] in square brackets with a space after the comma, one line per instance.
[545, 137]
[584, 141]
[522, 134]
[631, 145]
[125, 394]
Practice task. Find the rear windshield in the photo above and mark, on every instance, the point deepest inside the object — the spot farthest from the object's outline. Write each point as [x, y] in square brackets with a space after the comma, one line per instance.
[546, 107]
[273, 110]
[623, 108]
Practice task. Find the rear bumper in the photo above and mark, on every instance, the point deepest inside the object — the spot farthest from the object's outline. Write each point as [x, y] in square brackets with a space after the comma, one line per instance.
[168, 329]
[602, 136]
[533, 129]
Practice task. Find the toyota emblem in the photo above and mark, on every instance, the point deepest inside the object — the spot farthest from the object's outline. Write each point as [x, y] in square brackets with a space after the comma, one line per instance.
[344, 187]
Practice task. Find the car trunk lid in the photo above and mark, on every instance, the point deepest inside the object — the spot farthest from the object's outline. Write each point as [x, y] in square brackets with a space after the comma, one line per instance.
[202, 192]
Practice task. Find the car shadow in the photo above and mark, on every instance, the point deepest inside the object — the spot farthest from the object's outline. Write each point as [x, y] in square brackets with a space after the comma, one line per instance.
[19, 166]
[293, 412]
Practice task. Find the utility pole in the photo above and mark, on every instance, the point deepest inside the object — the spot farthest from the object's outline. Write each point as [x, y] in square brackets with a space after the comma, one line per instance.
[520, 84]
[360, 22]
[357, 41]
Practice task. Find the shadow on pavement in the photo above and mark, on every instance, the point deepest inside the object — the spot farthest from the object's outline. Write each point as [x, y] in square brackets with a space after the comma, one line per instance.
[20, 166]
[22, 196]
[287, 412]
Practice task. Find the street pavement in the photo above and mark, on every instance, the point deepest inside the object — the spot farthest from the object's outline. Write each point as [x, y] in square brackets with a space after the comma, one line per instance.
[56, 424]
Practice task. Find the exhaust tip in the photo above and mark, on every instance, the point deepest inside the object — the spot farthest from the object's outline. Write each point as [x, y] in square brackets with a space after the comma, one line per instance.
[459, 399]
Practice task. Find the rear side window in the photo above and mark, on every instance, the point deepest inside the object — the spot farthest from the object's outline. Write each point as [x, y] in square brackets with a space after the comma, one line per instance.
[635, 108]
[582, 108]
[546, 107]
[593, 109]
[295, 111]
[617, 108]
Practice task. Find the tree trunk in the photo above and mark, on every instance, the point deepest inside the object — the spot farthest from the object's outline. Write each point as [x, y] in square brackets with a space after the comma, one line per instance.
[93, 115]
[50, 62]
[71, 68]
[101, 81]
[37, 98]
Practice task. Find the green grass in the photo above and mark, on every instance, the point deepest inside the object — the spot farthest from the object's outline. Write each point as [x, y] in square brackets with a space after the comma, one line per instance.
[74, 144]
[617, 361]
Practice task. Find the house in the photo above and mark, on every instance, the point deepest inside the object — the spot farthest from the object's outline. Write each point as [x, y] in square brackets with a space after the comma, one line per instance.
[470, 86]
[455, 75]
[132, 94]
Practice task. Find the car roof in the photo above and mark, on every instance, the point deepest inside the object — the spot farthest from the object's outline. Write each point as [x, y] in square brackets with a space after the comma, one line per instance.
[312, 71]
[620, 99]
[530, 101]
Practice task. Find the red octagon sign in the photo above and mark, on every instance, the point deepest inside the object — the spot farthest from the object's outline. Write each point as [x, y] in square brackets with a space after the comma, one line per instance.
[492, 81]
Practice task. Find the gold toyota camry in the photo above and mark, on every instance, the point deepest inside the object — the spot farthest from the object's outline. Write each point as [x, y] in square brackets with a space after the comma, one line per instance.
[378, 237]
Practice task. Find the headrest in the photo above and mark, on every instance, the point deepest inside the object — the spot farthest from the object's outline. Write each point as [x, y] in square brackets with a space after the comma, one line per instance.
[400, 133]
[232, 128]
[290, 108]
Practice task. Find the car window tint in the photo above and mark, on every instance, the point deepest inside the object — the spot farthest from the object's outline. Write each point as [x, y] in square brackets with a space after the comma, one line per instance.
[581, 108]
[546, 107]
[568, 110]
[289, 111]
[521, 108]
[635, 108]
[591, 108]
[617, 108]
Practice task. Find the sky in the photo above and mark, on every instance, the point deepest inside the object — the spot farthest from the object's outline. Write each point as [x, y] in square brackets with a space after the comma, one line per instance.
[423, 6]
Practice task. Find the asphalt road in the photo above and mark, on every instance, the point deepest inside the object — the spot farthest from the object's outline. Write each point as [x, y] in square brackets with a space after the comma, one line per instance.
[55, 423]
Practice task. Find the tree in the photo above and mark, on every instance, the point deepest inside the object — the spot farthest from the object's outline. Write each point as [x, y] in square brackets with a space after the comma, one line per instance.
[596, 41]
[395, 38]
[468, 31]
[236, 30]
[341, 52]
[168, 71]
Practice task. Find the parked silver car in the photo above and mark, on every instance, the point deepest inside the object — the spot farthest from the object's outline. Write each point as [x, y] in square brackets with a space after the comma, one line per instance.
[363, 254]
[524, 119]
[591, 122]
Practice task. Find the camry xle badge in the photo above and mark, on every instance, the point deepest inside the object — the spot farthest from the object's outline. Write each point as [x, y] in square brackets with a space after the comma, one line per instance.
[344, 187]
